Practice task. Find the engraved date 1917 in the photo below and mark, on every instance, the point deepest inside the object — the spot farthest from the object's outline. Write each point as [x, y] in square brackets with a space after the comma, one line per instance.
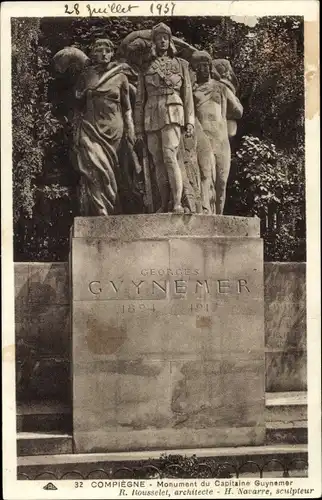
[199, 308]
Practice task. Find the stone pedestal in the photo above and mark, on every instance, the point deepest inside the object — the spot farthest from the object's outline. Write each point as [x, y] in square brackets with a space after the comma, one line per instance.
[168, 332]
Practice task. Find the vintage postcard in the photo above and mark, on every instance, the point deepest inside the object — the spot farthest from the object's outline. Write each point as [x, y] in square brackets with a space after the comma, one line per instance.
[160, 249]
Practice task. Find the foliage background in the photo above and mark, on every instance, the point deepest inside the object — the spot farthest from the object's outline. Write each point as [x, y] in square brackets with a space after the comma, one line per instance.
[267, 176]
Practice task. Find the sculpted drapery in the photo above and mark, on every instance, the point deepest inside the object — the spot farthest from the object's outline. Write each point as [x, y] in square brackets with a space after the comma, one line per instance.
[99, 135]
[103, 131]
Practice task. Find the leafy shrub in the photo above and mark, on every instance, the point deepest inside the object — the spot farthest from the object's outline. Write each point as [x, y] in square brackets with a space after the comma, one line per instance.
[182, 466]
[269, 183]
[175, 466]
[37, 135]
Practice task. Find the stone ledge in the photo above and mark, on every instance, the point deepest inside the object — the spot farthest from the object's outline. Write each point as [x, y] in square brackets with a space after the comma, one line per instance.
[296, 398]
[131, 227]
[99, 441]
[34, 443]
[239, 451]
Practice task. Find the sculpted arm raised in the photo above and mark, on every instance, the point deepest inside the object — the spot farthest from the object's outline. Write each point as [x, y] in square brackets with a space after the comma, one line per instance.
[80, 87]
[187, 98]
[127, 110]
[234, 107]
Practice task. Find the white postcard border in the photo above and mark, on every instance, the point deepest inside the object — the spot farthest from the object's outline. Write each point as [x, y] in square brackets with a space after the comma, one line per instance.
[14, 489]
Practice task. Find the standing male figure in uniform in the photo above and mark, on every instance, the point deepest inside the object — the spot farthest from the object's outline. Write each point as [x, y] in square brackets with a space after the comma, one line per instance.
[164, 105]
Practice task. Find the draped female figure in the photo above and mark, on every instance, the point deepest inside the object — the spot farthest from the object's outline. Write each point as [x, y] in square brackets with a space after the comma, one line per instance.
[102, 128]
[105, 118]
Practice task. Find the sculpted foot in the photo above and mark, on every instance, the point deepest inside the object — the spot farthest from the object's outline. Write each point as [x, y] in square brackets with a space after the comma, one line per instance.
[178, 209]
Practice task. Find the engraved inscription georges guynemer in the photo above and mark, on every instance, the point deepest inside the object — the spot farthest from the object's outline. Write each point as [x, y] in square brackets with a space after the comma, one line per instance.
[174, 287]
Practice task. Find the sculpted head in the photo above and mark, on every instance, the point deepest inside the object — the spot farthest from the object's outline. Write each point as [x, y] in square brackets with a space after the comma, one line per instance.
[162, 40]
[201, 63]
[102, 51]
[225, 71]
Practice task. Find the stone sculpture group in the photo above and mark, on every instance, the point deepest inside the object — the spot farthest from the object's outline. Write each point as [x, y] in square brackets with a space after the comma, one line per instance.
[151, 129]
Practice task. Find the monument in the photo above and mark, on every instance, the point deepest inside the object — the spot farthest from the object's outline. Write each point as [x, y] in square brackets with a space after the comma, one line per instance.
[167, 307]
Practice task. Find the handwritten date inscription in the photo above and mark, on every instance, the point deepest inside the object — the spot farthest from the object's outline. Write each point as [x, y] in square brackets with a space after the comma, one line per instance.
[110, 8]
[156, 9]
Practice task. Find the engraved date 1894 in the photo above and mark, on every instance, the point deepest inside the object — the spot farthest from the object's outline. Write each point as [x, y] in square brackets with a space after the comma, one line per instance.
[137, 307]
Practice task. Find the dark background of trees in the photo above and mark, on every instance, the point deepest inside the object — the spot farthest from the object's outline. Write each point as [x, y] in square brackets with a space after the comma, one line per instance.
[267, 175]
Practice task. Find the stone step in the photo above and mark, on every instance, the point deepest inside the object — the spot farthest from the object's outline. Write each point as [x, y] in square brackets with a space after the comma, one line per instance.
[286, 417]
[290, 398]
[36, 443]
[247, 460]
[285, 406]
[294, 432]
[47, 416]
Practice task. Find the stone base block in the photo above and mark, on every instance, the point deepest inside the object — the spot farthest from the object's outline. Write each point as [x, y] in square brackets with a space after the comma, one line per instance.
[168, 332]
